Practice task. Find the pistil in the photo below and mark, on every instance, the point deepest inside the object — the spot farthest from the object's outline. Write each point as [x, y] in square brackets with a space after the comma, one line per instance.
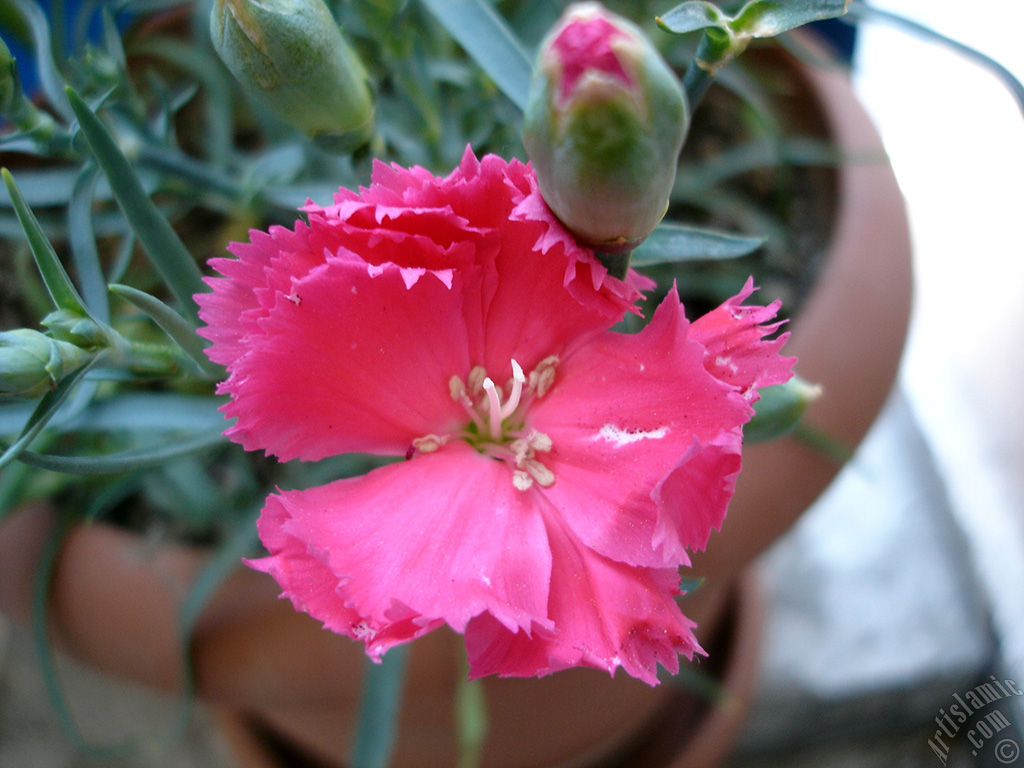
[498, 412]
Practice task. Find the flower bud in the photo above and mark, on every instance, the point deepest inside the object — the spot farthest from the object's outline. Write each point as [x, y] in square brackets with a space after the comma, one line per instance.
[75, 328]
[603, 128]
[32, 363]
[291, 55]
[779, 409]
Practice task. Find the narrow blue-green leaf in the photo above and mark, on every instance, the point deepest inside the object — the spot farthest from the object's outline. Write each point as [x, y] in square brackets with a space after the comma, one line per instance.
[487, 38]
[49, 74]
[174, 325]
[58, 283]
[378, 710]
[861, 10]
[123, 461]
[672, 243]
[44, 411]
[135, 411]
[113, 43]
[82, 241]
[168, 254]
[46, 187]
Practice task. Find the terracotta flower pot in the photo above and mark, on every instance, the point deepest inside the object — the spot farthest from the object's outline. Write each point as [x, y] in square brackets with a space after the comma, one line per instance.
[285, 681]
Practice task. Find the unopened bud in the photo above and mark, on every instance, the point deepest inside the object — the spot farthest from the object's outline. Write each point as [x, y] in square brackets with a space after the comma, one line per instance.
[75, 328]
[291, 55]
[779, 409]
[603, 128]
[32, 363]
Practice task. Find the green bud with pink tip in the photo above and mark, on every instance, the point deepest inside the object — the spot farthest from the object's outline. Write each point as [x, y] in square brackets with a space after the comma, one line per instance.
[603, 128]
[292, 57]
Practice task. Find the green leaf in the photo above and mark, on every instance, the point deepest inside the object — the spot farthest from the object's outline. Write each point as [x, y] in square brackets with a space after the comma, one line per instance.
[378, 710]
[692, 16]
[123, 461]
[175, 326]
[82, 242]
[672, 243]
[58, 283]
[168, 254]
[768, 18]
[487, 38]
[758, 18]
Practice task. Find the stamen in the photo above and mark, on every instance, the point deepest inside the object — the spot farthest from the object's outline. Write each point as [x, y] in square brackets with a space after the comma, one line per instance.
[429, 443]
[476, 379]
[521, 480]
[543, 376]
[544, 476]
[540, 441]
[457, 389]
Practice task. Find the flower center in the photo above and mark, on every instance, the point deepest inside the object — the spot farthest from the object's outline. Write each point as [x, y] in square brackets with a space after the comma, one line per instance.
[497, 424]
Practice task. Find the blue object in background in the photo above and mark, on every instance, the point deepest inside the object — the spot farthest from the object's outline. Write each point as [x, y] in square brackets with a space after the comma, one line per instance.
[21, 46]
[840, 34]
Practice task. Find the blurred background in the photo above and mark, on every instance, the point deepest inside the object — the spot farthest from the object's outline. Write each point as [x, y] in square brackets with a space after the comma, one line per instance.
[904, 586]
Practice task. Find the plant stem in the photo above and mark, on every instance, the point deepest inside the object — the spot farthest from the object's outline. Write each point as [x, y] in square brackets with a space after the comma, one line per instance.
[696, 81]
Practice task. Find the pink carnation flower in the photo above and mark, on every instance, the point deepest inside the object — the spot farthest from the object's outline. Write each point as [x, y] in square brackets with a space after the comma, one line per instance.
[555, 472]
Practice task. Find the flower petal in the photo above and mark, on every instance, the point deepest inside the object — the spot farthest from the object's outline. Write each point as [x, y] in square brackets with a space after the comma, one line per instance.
[606, 615]
[443, 537]
[312, 588]
[353, 358]
[625, 414]
[737, 352]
